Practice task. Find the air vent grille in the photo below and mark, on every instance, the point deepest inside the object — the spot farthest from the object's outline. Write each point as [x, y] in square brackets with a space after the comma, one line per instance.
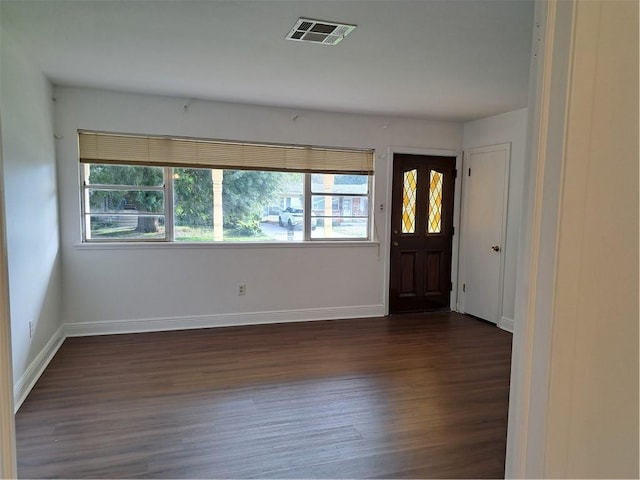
[319, 31]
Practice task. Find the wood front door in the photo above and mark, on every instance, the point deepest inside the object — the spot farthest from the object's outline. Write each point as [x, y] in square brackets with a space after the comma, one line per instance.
[421, 233]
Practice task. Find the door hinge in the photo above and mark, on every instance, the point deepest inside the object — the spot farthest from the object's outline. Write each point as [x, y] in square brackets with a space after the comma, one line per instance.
[464, 287]
[469, 172]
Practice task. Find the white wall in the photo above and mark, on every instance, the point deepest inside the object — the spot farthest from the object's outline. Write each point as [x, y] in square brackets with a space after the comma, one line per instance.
[574, 404]
[592, 422]
[510, 128]
[172, 286]
[31, 207]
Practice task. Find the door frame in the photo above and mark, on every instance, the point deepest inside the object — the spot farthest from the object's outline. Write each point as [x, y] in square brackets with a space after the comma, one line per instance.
[436, 152]
[8, 468]
[460, 307]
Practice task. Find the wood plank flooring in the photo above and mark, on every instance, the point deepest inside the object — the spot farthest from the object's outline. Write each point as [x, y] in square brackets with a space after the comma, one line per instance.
[411, 396]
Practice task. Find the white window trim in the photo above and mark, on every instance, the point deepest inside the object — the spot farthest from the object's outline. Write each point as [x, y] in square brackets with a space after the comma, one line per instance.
[132, 245]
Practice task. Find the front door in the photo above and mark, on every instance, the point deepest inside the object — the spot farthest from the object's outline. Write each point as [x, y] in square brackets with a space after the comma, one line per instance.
[421, 233]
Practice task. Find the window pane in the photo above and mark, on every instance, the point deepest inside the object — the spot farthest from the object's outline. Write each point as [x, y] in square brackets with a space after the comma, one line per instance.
[340, 227]
[409, 188]
[339, 206]
[124, 175]
[124, 227]
[435, 202]
[128, 202]
[256, 206]
[192, 205]
[247, 195]
[339, 216]
[333, 183]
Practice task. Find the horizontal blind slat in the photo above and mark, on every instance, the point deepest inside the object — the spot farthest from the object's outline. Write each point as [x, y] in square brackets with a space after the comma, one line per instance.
[179, 152]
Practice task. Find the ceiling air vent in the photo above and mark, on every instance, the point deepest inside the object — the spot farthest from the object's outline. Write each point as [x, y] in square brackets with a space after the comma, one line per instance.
[319, 31]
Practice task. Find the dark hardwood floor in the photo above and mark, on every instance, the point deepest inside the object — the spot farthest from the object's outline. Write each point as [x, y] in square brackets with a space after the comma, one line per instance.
[411, 396]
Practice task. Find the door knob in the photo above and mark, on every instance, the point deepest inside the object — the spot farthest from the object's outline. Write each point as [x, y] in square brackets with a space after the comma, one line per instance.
[495, 248]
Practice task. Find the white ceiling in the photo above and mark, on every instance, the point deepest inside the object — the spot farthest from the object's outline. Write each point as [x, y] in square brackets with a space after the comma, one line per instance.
[448, 59]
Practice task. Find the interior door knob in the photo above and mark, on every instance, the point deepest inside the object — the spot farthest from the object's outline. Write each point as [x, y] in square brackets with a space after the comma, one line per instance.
[496, 248]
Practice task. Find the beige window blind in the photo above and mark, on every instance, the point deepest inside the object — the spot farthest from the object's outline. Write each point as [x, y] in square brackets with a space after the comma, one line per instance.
[186, 152]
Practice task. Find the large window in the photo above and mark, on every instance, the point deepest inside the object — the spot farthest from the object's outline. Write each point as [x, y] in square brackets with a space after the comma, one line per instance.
[168, 200]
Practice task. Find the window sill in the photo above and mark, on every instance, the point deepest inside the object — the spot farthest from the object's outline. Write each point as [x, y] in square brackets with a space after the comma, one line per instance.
[223, 245]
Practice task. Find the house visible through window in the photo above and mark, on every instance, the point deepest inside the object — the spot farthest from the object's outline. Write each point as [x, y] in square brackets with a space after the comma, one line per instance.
[128, 195]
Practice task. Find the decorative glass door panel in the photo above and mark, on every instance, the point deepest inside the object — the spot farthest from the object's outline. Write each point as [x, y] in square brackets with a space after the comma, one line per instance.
[409, 190]
[434, 224]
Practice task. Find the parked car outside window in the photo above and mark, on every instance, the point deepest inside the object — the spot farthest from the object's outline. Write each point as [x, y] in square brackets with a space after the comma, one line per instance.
[291, 217]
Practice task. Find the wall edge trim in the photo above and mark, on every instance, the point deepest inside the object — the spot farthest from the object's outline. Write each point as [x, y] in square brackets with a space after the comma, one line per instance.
[506, 324]
[23, 386]
[141, 325]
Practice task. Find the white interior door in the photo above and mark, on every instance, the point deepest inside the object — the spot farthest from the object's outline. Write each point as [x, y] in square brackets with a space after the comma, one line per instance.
[485, 189]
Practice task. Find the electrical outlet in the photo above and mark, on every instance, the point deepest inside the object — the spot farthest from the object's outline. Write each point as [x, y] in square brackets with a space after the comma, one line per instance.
[242, 289]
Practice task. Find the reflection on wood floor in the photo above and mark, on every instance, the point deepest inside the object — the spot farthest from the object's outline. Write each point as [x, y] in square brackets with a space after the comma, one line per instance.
[411, 396]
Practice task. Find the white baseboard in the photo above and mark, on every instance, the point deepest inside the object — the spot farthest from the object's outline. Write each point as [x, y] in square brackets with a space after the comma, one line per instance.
[26, 382]
[220, 320]
[506, 324]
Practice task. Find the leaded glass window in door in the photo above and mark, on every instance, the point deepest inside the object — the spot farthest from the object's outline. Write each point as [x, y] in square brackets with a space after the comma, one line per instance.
[434, 225]
[409, 191]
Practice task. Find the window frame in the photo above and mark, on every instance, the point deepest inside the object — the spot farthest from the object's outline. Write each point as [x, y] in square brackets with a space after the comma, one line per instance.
[168, 209]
